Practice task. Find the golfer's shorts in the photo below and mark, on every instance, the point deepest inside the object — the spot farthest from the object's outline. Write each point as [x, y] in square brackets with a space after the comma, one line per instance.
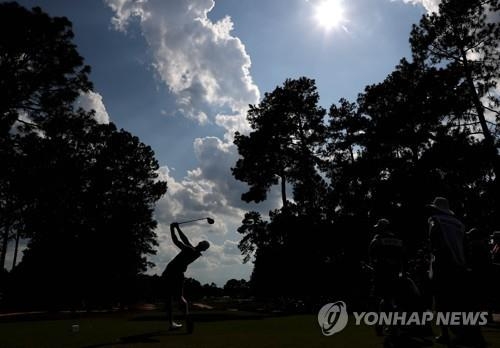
[173, 283]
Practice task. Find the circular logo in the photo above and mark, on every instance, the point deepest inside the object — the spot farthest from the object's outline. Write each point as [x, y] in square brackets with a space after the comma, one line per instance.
[332, 318]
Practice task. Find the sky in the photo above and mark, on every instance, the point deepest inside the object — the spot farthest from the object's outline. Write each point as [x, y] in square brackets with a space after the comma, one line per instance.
[180, 75]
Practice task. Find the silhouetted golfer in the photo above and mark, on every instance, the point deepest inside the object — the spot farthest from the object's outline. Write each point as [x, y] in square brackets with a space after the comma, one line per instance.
[174, 272]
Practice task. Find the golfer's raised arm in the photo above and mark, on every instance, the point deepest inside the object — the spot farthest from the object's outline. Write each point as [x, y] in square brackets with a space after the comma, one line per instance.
[176, 240]
[183, 237]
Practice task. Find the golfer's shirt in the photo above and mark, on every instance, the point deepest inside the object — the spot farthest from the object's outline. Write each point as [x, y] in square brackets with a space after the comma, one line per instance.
[183, 259]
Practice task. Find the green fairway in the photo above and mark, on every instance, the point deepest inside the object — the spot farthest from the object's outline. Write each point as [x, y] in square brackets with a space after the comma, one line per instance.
[149, 330]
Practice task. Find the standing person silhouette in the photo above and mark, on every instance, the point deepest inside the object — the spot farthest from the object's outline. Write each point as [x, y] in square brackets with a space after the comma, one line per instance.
[174, 272]
[448, 269]
[477, 253]
[386, 254]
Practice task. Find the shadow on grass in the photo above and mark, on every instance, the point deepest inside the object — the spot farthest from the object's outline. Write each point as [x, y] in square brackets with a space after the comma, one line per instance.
[149, 337]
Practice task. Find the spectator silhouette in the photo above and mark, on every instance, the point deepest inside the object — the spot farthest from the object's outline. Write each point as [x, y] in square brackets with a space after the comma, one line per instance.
[495, 248]
[386, 255]
[495, 274]
[449, 271]
[479, 262]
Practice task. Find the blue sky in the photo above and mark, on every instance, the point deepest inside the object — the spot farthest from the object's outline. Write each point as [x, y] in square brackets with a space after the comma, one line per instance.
[179, 74]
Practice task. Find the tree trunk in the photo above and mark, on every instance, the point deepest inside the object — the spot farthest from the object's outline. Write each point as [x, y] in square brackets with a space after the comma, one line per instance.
[477, 101]
[488, 137]
[5, 243]
[351, 152]
[283, 192]
[16, 248]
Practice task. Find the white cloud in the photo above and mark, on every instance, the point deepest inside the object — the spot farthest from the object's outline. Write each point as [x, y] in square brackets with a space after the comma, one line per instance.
[429, 5]
[199, 60]
[195, 197]
[207, 70]
[207, 191]
[93, 101]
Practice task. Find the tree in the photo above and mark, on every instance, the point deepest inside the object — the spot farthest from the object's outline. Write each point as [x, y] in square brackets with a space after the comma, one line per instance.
[464, 36]
[83, 193]
[94, 190]
[405, 140]
[392, 126]
[343, 147]
[41, 71]
[255, 234]
[401, 144]
[236, 288]
[10, 205]
[283, 147]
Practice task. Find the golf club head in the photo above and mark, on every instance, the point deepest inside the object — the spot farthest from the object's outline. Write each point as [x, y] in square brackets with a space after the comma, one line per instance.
[210, 221]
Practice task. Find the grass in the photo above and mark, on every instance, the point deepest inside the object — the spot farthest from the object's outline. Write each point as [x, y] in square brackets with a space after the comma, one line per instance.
[148, 329]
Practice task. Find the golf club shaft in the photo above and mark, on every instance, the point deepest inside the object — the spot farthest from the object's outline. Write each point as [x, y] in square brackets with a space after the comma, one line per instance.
[188, 221]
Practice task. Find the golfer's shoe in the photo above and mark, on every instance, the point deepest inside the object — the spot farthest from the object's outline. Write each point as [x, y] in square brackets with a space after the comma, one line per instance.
[175, 326]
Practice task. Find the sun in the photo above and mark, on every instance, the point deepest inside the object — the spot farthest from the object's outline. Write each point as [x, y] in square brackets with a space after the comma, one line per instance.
[330, 14]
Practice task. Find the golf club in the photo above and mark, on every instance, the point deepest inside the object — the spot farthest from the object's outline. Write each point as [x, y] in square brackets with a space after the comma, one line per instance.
[209, 220]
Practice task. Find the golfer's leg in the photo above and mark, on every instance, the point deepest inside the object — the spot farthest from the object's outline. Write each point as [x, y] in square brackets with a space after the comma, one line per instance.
[169, 309]
[186, 305]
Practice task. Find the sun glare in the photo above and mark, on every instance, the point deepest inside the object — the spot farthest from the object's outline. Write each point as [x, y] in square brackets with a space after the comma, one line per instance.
[329, 14]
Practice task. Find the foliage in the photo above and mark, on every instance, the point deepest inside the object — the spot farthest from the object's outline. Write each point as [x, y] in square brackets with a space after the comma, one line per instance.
[420, 133]
[464, 37]
[41, 72]
[287, 130]
[82, 193]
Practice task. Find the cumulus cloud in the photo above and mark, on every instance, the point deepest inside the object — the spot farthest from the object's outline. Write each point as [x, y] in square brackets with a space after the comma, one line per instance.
[207, 69]
[93, 101]
[199, 60]
[196, 196]
[208, 190]
[429, 5]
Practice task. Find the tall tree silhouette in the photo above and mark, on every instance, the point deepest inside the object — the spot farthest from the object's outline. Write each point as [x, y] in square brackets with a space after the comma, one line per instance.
[464, 35]
[40, 66]
[287, 131]
[406, 139]
[86, 190]
[343, 147]
[11, 206]
[412, 111]
[256, 235]
[41, 71]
